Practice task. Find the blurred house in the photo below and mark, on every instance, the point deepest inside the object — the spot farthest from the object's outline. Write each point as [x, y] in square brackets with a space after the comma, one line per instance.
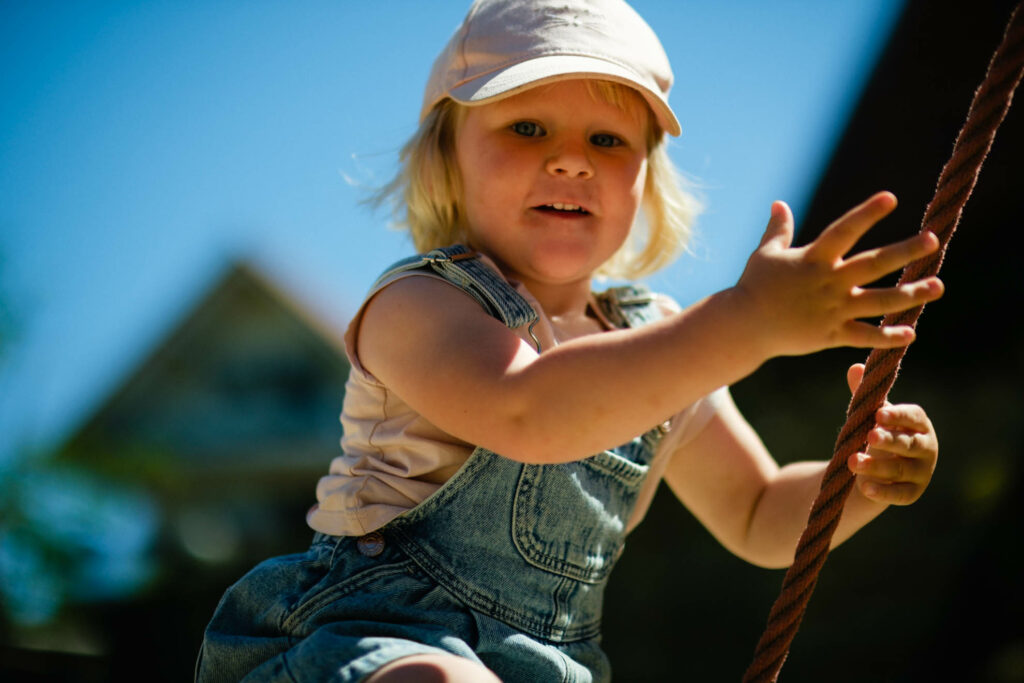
[199, 465]
[230, 420]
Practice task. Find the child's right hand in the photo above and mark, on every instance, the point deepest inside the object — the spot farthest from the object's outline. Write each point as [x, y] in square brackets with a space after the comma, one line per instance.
[809, 298]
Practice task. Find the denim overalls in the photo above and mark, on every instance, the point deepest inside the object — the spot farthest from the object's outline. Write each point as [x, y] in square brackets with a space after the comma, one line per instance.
[505, 564]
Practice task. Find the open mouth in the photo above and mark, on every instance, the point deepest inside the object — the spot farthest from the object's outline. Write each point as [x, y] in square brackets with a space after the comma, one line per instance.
[560, 208]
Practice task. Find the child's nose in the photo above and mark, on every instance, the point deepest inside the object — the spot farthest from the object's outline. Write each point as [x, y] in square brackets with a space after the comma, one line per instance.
[571, 163]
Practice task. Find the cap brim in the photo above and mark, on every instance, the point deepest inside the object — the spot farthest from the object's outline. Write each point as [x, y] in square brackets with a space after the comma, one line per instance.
[553, 68]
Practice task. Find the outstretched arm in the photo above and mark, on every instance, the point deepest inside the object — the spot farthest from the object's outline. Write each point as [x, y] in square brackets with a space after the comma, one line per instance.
[473, 378]
[758, 510]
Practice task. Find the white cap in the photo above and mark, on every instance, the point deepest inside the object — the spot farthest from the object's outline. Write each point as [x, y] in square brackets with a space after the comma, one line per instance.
[506, 46]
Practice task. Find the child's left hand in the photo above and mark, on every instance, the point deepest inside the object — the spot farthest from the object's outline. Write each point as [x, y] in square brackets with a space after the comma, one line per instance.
[902, 451]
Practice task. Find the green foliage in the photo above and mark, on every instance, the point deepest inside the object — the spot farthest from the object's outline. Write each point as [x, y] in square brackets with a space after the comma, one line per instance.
[68, 536]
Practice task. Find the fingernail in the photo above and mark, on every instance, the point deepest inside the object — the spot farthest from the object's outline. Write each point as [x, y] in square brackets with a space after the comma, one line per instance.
[870, 489]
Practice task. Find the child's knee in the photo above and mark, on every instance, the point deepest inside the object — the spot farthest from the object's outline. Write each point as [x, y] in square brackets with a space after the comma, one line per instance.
[433, 668]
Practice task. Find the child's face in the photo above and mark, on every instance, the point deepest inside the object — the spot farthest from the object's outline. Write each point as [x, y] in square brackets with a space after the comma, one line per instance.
[552, 179]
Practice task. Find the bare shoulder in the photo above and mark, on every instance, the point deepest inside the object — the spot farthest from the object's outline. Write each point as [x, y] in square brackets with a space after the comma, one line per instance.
[409, 299]
[410, 315]
[436, 348]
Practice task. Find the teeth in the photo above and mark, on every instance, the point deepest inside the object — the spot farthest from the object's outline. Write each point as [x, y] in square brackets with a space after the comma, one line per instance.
[566, 207]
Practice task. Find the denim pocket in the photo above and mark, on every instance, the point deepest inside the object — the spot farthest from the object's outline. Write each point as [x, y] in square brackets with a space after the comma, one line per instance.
[351, 577]
[570, 519]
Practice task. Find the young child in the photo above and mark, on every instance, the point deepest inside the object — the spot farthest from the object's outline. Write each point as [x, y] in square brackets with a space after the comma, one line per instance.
[505, 427]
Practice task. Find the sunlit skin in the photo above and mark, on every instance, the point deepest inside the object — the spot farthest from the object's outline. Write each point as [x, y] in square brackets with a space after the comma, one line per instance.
[552, 146]
[556, 145]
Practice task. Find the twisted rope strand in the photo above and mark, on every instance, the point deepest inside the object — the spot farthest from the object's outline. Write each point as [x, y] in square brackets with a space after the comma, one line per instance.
[956, 182]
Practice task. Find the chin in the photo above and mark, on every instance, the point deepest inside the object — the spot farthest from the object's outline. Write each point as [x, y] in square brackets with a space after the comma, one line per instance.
[564, 266]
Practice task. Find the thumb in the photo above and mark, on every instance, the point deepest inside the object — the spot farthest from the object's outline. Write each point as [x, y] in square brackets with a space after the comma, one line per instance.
[854, 375]
[779, 232]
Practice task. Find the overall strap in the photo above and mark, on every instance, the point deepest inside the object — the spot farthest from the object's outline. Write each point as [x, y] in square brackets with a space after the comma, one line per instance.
[463, 268]
[629, 305]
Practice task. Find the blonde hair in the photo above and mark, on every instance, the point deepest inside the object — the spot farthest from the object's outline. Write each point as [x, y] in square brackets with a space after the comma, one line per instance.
[426, 192]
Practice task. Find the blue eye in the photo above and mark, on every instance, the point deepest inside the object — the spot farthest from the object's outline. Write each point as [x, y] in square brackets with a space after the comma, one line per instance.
[527, 129]
[605, 140]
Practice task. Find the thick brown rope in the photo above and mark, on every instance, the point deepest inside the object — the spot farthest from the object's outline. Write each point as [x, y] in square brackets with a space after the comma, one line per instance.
[959, 175]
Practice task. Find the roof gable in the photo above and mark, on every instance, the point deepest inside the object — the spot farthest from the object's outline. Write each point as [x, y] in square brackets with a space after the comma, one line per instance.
[248, 382]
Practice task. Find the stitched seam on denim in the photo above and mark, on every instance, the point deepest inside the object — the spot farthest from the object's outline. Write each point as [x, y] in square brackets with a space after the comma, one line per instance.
[310, 605]
[525, 539]
[457, 278]
[568, 664]
[560, 598]
[639, 452]
[284, 617]
[511, 314]
[628, 306]
[338, 540]
[408, 263]
[513, 309]
[284, 664]
[623, 470]
[443, 494]
[424, 557]
[483, 290]
[470, 596]
[489, 289]
[497, 296]
[454, 584]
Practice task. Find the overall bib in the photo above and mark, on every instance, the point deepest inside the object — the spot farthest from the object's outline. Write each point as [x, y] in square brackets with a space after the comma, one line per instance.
[505, 564]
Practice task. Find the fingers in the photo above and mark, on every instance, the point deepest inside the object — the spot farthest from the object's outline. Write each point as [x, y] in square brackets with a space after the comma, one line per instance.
[890, 494]
[868, 303]
[839, 237]
[901, 457]
[891, 479]
[854, 376]
[903, 431]
[872, 264]
[906, 417]
[811, 298]
[890, 468]
[864, 335]
[779, 232]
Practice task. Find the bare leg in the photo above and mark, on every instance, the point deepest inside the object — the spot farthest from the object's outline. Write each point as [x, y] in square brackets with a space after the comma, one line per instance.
[433, 669]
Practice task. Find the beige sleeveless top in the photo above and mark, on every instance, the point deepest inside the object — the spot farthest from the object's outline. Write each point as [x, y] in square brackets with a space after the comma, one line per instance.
[393, 458]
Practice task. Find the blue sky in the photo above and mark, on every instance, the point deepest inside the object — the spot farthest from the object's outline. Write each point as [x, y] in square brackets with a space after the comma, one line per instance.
[143, 145]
